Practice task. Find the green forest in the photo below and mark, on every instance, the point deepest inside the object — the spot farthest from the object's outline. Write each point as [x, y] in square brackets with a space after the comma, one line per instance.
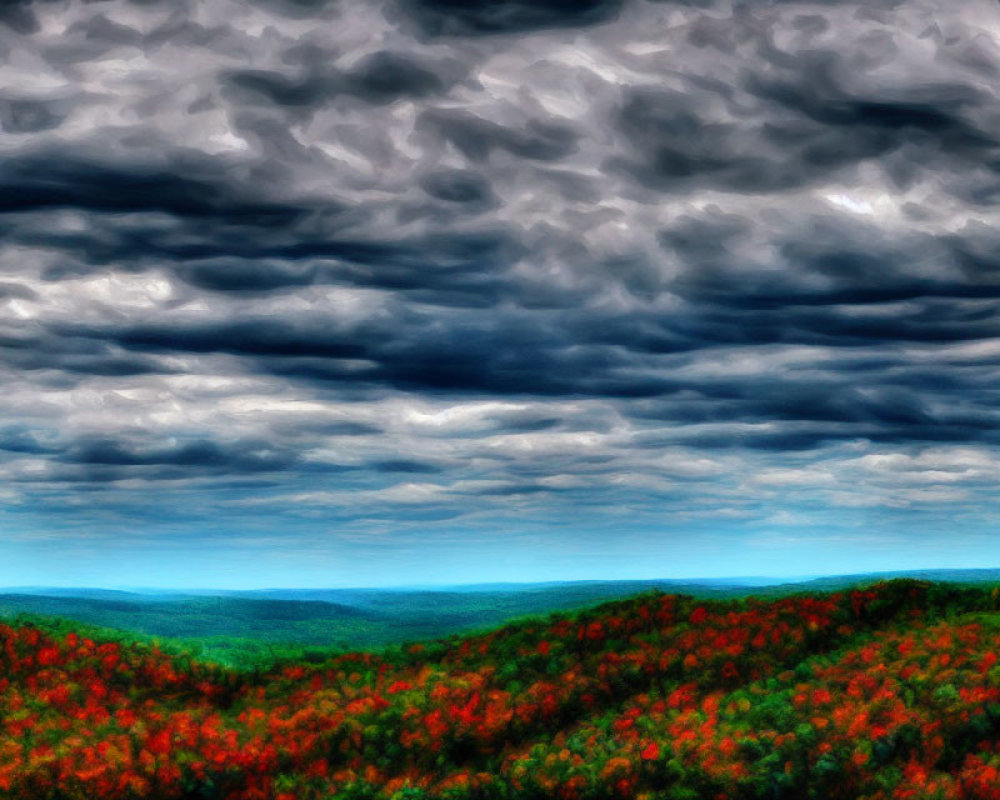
[886, 691]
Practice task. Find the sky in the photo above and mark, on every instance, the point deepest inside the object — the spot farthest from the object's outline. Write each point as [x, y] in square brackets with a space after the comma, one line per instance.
[384, 292]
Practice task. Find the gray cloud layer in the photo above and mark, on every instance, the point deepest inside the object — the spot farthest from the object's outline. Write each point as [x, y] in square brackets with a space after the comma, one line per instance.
[498, 261]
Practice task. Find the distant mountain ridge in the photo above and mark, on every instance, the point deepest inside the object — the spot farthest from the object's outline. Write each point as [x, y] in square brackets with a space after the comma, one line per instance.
[964, 575]
[230, 624]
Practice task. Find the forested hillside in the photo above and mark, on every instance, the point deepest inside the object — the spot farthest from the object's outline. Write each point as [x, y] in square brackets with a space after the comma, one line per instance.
[249, 629]
[892, 691]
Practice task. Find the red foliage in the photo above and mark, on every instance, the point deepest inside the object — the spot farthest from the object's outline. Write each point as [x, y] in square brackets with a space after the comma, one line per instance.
[737, 699]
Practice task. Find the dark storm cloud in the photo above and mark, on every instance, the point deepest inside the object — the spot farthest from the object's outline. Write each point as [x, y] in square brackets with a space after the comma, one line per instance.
[458, 186]
[238, 457]
[479, 17]
[817, 130]
[838, 410]
[12, 290]
[65, 359]
[17, 15]
[281, 90]
[14, 439]
[469, 253]
[52, 181]
[224, 238]
[402, 465]
[224, 274]
[476, 138]
[28, 116]
[327, 429]
[97, 459]
[414, 354]
[385, 76]
[380, 78]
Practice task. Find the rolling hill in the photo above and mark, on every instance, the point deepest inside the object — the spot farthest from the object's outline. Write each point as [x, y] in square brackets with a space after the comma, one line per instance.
[253, 628]
[247, 628]
[887, 691]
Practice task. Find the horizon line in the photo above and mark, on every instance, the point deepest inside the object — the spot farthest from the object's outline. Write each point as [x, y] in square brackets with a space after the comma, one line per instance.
[737, 581]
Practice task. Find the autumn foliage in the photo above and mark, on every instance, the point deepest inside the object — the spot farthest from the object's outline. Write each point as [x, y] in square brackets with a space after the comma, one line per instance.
[888, 692]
